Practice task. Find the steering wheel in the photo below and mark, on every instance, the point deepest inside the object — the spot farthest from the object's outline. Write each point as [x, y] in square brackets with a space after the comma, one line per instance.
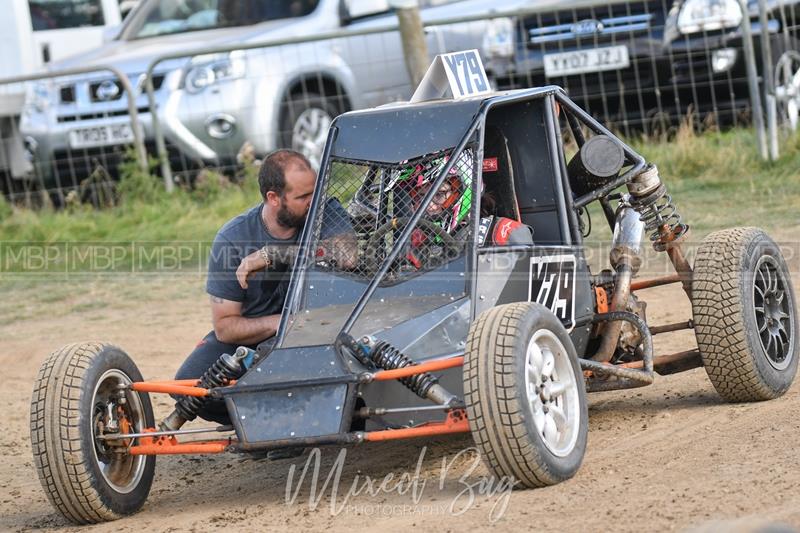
[435, 235]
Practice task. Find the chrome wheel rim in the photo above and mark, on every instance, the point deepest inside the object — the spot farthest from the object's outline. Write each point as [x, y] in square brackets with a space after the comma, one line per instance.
[310, 132]
[787, 88]
[553, 398]
[774, 313]
[121, 471]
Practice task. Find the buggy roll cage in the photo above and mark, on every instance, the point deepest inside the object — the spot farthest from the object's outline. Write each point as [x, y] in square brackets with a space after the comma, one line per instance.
[567, 205]
[155, 442]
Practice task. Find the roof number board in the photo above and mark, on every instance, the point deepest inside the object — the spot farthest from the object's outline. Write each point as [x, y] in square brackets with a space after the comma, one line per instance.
[460, 72]
[465, 73]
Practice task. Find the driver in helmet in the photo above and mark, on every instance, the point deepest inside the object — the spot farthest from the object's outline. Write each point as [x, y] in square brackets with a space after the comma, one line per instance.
[451, 204]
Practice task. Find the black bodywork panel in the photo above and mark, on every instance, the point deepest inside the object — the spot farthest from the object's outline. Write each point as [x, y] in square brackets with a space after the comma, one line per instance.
[396, 133]
[521, 126]
[302, 410]
[556, 277]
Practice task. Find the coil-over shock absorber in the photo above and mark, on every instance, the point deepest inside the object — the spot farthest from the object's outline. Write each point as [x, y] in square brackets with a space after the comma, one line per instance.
[387, 357]
[663, 223]
[383, 355]
[224, 369]
[650, 198]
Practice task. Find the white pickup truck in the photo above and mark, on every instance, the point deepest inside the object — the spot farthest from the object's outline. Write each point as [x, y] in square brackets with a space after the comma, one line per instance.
[34, 34]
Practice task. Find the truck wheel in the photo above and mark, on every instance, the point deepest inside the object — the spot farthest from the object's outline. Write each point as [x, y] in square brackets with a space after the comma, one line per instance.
[745, 315]
[525, 396]
[87, 479]
[787, 87]
[305, 122]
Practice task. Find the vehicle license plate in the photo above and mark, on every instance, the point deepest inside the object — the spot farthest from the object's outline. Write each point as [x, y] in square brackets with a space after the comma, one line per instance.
[582, 61]
[105, 135]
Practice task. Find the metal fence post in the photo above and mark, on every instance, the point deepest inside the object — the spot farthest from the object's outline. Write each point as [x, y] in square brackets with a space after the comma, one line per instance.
[138, 141]
[158, 133]
[769, 81]
[752, 80]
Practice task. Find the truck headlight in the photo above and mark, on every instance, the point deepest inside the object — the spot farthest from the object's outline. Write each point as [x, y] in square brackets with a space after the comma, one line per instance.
[205, 71]
[38, 97]
[707, 15]
[498, 41]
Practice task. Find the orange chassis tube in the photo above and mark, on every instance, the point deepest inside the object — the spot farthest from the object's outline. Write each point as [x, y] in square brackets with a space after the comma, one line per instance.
[455, 422]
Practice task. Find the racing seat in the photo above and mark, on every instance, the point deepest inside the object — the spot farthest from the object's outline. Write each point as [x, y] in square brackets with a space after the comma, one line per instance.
[523, 126]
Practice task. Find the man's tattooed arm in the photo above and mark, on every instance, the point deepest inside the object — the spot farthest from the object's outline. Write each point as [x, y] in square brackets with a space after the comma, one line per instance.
[231, 327]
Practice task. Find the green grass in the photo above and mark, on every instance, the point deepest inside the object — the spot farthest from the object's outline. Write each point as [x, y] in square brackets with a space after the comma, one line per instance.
[719, 180]
[161, 226]
[716, 180]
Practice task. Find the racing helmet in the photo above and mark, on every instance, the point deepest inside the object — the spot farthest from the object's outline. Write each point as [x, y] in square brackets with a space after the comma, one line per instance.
[455, 205]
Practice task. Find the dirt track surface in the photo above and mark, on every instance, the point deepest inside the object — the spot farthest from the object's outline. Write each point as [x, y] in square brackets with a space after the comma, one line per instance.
[672, 456]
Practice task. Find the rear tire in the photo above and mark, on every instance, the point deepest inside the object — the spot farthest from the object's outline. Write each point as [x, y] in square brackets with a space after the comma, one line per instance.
[745, 315]
[525, 395]
[83, 478]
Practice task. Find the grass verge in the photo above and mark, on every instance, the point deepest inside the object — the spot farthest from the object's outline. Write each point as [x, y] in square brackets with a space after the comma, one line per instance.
[716, 180]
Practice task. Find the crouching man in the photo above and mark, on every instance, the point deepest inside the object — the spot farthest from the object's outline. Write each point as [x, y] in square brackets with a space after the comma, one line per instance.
[246, 312]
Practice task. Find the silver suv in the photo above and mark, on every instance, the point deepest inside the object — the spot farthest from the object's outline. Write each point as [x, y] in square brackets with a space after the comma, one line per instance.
[209, 106]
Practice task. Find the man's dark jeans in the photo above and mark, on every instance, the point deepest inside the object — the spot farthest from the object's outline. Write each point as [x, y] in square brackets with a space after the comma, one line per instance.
[204, 355]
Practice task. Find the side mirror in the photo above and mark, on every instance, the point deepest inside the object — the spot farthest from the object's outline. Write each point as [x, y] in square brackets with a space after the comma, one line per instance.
[355, 9]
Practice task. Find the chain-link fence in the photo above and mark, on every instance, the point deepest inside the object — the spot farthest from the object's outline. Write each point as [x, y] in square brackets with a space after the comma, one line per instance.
[646, 66]
[65, 135]
[642, 67]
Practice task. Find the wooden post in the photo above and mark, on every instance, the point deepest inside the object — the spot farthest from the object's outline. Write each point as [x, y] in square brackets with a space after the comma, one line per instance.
[752, 80]
[412, 33]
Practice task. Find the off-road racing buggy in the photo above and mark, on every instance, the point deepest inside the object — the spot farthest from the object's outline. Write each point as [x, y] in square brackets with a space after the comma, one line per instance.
[441, 326]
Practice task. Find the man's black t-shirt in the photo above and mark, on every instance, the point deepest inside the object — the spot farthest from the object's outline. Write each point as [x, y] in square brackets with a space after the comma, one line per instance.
[243, 235]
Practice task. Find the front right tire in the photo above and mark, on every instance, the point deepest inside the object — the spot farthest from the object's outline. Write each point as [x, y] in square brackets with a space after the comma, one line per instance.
[87, 479]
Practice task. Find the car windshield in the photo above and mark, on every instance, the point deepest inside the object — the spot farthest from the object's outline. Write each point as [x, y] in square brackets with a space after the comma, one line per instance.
[179, 16]
[365, 207]
[62, 14]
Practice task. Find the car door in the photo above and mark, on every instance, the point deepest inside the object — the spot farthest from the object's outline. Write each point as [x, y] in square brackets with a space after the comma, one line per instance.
[377, 60]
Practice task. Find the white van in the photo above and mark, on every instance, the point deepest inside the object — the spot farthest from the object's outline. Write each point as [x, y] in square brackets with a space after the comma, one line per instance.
[34, 33]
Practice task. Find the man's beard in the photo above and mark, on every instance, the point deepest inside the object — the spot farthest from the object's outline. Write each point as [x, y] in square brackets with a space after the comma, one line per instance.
[287, 219]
